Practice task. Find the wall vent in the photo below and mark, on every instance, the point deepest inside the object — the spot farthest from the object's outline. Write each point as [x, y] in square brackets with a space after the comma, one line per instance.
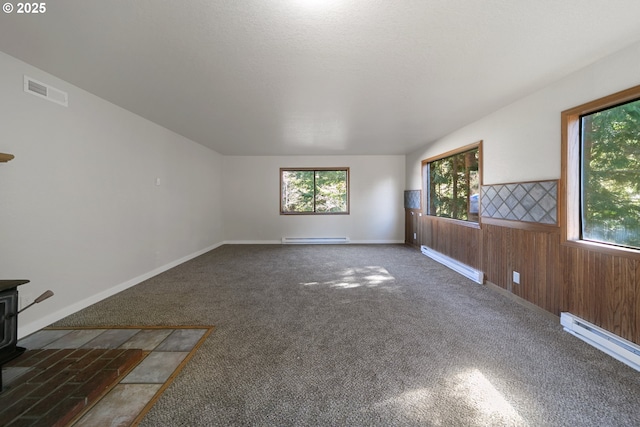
[43, 90]
[615, 346]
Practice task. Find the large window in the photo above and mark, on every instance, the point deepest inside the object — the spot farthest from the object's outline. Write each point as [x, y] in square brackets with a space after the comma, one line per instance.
[314, 191]
[601, 170]
[451, 184]
[610, 162]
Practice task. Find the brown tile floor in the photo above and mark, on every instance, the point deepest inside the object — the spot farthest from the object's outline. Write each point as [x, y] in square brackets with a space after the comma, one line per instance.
[165, 351]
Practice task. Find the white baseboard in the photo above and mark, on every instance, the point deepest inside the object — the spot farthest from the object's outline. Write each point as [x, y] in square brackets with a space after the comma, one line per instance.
[315, 240]
[279, 242]
[615, 346]
[252, 242]
[464, 269]
[377, 242]
[29, 328]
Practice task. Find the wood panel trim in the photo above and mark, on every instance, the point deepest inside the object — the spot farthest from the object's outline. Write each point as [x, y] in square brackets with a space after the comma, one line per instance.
[603, 248]
[605, 102]
[459, 222]
[458, 150]
[522, 182]
[521, 225]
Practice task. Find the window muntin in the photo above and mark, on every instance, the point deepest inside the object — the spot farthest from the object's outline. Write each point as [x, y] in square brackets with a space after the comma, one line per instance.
[319, 191]
[610, 175]
[452, 184]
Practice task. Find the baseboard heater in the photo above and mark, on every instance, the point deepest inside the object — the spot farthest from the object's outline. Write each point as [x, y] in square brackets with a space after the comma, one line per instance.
[467, 271]
[615, 346]
[314, 240]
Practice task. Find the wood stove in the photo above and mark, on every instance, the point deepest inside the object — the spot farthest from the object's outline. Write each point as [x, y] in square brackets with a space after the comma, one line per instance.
[9, 322]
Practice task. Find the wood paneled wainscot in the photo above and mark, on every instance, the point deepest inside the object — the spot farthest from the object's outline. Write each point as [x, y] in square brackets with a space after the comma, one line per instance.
[603, 288]
[530, 249]
[597, 286]
[592, 281]
[456, 239]
[412, 227]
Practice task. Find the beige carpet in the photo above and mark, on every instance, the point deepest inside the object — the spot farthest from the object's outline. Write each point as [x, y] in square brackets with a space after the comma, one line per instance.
[364, 335]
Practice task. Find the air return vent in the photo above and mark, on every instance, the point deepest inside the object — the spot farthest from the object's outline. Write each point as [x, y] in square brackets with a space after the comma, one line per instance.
[43, 90]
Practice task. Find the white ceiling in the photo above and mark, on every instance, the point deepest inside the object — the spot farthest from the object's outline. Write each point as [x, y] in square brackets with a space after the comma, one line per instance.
[275, 77]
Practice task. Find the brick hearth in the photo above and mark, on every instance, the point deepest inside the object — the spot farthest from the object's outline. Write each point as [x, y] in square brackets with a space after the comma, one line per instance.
[60, 383]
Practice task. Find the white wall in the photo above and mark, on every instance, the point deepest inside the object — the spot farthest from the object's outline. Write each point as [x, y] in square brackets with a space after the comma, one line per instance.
[252, 209]
[522, 140]
[80, 212]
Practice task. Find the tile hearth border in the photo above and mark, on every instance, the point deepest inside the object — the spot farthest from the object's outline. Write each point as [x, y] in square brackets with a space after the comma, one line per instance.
[142, 378]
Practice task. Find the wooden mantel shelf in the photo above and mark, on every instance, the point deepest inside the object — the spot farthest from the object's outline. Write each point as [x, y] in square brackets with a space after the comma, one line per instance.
[5, 157]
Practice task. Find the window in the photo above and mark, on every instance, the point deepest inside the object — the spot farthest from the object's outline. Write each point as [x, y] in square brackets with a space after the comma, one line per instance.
[451, 184]
[610, 163]
[314, 191]
[601, 171]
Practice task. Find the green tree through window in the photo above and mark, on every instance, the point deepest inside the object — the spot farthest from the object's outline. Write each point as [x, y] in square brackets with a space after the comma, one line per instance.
[314, 191]
[610, 203]
[453, 184]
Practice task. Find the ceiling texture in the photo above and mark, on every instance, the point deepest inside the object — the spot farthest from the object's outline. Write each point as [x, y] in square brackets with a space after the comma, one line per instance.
[316, 77]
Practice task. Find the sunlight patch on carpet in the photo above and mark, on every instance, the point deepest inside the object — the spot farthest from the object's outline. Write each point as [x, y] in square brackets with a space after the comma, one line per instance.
[467, 397]
[371, 277]
[490, 405]
[414, 406]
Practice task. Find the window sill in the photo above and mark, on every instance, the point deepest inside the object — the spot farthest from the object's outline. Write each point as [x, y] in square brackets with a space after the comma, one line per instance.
[603, 248]
[313, 213]
[455, 221]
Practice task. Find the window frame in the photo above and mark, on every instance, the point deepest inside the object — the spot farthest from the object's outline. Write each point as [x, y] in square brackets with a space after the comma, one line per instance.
[342, 168]
[571, 174]
[425, 188]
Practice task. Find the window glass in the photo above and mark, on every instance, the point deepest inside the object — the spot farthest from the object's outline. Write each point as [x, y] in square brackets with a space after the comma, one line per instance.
[297, 191]
[610, 166]
[314, 191]
[454, 186]
[331, 190]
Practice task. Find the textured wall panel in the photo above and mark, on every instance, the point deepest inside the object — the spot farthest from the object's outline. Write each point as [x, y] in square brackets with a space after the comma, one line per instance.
[527, 201]
[412, 199]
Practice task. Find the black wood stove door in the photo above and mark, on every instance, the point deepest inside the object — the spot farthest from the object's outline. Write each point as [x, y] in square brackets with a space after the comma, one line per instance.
[8, 321]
